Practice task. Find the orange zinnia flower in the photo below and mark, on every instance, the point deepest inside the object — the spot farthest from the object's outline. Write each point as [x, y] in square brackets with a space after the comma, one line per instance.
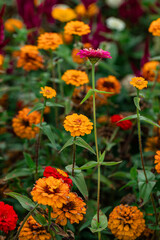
[154, 27]
[139, 82]
[12, 23]
[63, 14]
[30, 58]
[22, 123]
[32, 230]
[77, 28]
[149, 70]
[76, 58]
[91, 11]
[48, 41]
[50, 191]
[73, 210]
[75, 77]
[152, 143]
[157, 162]
[108, 84]
[126, 223]
[48, 92]
[1, 59]
[77, 125]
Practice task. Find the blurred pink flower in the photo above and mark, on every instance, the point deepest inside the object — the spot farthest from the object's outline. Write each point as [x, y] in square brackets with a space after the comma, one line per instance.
[94, 53]
[3, 41]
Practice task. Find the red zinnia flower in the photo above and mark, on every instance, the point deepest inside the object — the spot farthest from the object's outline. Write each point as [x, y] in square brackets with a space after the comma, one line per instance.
[8, 218]
[93, 53]
[58, 174]
[125, 125]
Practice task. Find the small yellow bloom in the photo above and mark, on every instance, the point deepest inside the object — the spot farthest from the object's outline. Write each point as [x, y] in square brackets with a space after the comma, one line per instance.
[75, 77]
[77, 125]
[139, 82]
[63, 14]
[48, 41]
[48, 92]
[77, 28]
[12, 23]
[154, 27]
[1, 60]
[157, 161]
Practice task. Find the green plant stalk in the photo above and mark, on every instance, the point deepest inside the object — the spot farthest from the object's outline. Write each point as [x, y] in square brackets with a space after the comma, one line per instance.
[25, 219]
[74, 156]
[49, 217]
[60, 78]
[39, 140]
[142, 160]
[95, 136]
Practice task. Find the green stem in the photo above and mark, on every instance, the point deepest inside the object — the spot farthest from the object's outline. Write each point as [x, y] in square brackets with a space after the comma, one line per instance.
[96, 143]
[49, 216]
[39, 141]
[25, 219]
[60, 79]
[74, 157]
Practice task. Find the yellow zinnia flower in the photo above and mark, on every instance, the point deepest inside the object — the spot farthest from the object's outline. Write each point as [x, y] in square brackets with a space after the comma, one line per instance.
[157, 161]
[154, 27]
[12, 23]
[149, 71]
[48, 41]
[77, 28]
[77, 125]
[139, 82]
[63, 14]
[75, 77]
[48, 92]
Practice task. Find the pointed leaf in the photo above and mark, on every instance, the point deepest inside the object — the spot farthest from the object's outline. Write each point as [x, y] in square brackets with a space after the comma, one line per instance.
[26, 202]
[128, 118]
[80, 142]
[67, 144]
[39, 218]
[149, 121]
[88, 165]
[102, 92]
[37, 107]
[31, 164]
[48, 132]
[89, 93]
[136, 102]
[110, 163]
[101, 225]
[18, 173]
[102, 156]
[50, 104]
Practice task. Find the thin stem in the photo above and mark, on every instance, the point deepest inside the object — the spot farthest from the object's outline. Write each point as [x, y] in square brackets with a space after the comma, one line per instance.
[154, 207]
[74, 157]
[39, 141]
[49, 217]
[95, 135]
[60, 79]
[140, 141]
[25, 219]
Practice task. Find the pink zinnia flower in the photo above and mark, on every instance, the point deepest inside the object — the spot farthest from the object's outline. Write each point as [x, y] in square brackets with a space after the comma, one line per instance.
[92, 53]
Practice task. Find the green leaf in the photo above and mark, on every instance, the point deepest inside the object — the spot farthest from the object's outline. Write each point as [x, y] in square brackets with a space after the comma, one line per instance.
[110, 163]
[80, 142]
[145, 189]
[18, 173]
[157, 58]
[120, 175]
[129, 118]
[39, 218]
[50, 104]
[149, 121]
[89, 93]
[69, 169]
[101, 225]
[136, 102]
[26, 202]
[37, 107]
[31, 164]
[102, 92]
[88, 165]
[48, 132]
[133, 173]
[102, 156]
[67, 144]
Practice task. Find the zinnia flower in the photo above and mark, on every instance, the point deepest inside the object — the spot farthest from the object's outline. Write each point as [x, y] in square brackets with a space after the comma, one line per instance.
[48, 41]
[75, 77]
[22, 123]
[30, 58]
[157, 161]
[92, 53]
[77, 28]
[126, 223]
[1, 60]
[91, 11]
[152, 143]
[50, 191]
[32, 230]
[77, 58]
[109, 84]
[154, 27]
[12, 23]
[139, 82]
[8, 218]
[77, 125]
[63, 14]
[73, 210]
[58, 174]
[48, 92]
[125, 125]
[115, 23]
[149, 70]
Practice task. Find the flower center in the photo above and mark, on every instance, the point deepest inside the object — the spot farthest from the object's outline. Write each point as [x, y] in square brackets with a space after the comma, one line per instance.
[25, 123]
[69, 206]
[48, 190]
[108, 85]
[47, 91]
[79, 121]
